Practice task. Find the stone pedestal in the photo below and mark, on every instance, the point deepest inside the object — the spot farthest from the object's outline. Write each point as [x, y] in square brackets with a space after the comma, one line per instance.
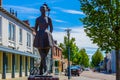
[39, 77]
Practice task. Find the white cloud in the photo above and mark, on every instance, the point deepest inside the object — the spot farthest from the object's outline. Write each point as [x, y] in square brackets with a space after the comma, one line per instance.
[53, 12]
[32, 17]
[73, 12]
[24, 10]
[69, 11]
[78, 33]
[60, 21]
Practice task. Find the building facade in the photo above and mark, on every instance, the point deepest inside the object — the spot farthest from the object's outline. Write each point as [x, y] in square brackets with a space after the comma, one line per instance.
[57, 59]
[16, 51]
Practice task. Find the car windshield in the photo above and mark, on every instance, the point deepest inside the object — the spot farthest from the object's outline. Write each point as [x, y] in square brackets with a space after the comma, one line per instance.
[74, 67]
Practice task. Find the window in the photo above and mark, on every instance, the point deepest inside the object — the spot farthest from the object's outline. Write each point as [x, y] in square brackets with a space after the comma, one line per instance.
[28, 40]
[11, 31]
[20, 35]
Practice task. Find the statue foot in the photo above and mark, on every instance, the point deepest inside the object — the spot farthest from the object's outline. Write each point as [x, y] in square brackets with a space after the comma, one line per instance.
[46, 73]
[40, 73]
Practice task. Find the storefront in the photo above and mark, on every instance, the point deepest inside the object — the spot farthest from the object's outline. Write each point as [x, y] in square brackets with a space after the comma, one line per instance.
[15, 63]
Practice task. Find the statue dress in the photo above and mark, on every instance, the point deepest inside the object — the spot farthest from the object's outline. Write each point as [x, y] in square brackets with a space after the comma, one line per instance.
[43, 38]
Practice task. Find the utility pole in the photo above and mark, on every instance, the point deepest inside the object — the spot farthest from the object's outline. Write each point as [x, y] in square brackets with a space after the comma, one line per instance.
[68, 35]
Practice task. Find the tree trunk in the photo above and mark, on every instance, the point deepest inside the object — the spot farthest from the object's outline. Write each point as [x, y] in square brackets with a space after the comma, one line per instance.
[117, 64]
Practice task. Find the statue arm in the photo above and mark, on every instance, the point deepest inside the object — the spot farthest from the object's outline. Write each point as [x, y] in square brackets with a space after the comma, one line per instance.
[36, 26]
[51, 26]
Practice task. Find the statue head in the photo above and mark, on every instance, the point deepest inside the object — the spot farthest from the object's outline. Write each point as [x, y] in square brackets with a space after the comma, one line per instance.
[44, 8]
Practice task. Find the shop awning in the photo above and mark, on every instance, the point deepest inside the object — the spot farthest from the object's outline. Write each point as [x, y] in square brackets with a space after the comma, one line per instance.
[6, 49]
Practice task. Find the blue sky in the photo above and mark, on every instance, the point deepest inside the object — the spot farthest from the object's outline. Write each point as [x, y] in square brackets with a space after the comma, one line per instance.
[64, 14]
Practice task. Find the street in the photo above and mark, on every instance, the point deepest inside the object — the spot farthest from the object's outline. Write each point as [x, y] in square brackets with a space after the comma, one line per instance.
[90, 75]
[99, 76]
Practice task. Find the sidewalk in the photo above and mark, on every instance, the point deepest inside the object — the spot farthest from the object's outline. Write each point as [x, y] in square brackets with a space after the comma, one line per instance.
[61, 77]
[97, 75]
[20, 78]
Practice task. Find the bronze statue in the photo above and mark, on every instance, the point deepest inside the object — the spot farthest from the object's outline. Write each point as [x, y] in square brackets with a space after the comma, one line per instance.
[43, 40]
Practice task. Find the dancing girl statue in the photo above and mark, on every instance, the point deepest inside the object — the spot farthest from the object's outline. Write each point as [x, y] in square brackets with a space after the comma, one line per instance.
[43, 39]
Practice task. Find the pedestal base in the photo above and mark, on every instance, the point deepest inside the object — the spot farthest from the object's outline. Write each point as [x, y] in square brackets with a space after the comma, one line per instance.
[39, 77]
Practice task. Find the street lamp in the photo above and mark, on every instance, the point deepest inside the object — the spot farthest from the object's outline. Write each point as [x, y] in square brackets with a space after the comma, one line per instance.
[68, 35]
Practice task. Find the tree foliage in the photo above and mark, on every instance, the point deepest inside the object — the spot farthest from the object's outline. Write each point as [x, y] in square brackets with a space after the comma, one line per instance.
[102, 22]
[97, 58]
[73, 48]
[84, 59]
[78, 57]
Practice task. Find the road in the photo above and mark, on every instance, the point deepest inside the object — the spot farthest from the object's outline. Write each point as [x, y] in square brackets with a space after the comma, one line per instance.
[90, 75]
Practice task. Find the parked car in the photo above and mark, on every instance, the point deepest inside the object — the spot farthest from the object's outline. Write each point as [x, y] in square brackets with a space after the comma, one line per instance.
[75, 70]
[87, 69]
[96, 69]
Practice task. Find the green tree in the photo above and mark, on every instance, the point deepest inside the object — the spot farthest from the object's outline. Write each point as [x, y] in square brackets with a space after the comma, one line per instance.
[97, 58]
[77, 58]
[73, 48]
[102, 25]
[84, 58]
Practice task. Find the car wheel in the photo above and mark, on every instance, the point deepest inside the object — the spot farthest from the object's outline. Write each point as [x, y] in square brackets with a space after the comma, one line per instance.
[78, 74]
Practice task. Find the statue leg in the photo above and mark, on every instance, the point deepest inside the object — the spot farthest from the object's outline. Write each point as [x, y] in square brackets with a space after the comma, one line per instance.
[41, 68]
[44, 60]
[43, 65]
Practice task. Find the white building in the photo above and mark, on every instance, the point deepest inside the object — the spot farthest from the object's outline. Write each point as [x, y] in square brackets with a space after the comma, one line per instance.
[16, 50]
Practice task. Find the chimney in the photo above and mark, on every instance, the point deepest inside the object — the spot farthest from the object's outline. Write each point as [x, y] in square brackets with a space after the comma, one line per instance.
[34, 33]
[55, 41]
[26, 22]
[0, 3]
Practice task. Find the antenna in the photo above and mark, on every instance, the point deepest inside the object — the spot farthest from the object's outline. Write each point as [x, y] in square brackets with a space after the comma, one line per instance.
[10, 11]
[16, 13]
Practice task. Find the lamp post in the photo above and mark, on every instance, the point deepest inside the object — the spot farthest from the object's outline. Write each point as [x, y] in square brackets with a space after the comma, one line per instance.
[68, 35]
